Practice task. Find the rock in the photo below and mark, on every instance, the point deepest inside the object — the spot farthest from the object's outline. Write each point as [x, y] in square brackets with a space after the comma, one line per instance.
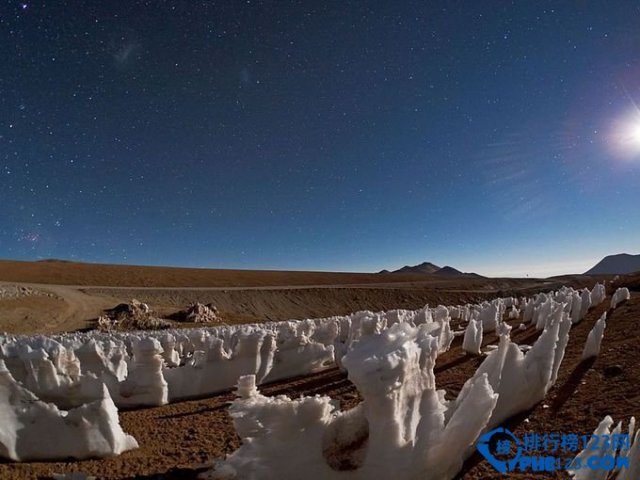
[9, 291]
[105, 323]
[131, 316]
[200, 313]
[197, 313]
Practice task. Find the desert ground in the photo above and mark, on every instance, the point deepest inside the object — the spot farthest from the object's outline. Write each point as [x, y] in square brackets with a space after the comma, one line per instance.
[54, 296]
[178, 440]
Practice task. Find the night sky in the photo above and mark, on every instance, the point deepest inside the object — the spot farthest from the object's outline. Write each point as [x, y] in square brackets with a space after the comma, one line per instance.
[496, 137]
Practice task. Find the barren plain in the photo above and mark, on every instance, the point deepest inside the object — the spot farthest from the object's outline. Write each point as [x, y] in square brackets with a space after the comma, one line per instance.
[179, 439]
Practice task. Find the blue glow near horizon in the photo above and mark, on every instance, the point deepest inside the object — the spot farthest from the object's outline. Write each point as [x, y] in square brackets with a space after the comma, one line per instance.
[339, 136]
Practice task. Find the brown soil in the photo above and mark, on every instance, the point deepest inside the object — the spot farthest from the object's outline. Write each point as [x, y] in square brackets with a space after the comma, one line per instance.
[71, 273]
[76, 308]
[81, 292]
[583, 394]
[175, 440]
[66, 309]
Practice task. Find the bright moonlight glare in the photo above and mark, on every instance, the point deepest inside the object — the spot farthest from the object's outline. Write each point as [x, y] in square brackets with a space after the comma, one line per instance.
[625, 137]
[634, 134]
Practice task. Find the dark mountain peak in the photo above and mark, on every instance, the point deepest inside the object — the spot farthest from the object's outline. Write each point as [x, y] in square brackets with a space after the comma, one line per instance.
[424, 268]
[447, 270]
[427, 265]
[54, 260]
[428, 268]
[617, 264]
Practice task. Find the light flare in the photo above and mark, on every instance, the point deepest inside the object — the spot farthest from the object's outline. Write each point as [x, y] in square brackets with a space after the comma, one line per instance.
[625, 137]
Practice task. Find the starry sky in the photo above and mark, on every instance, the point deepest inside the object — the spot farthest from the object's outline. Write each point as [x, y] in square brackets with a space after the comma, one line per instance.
[496, 137]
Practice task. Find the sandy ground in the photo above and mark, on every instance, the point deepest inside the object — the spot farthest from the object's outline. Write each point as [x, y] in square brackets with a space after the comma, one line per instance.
[90, 274]
[177, 439]
[51, 309]
[69, 296]
[60, 308]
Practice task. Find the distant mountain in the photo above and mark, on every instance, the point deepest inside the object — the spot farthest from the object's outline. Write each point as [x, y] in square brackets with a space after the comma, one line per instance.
[448, 271]
[616, 264]
[425, 268]
[428, 268]
[54, 260]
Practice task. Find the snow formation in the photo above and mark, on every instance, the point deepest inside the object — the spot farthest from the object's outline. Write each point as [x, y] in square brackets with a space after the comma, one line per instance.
[592, 345]
[388, 355]
[620, 295]
[598, 294]
[405, 427]
[35, 430]
[472, 340]
[147, 368]
[595, 449]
